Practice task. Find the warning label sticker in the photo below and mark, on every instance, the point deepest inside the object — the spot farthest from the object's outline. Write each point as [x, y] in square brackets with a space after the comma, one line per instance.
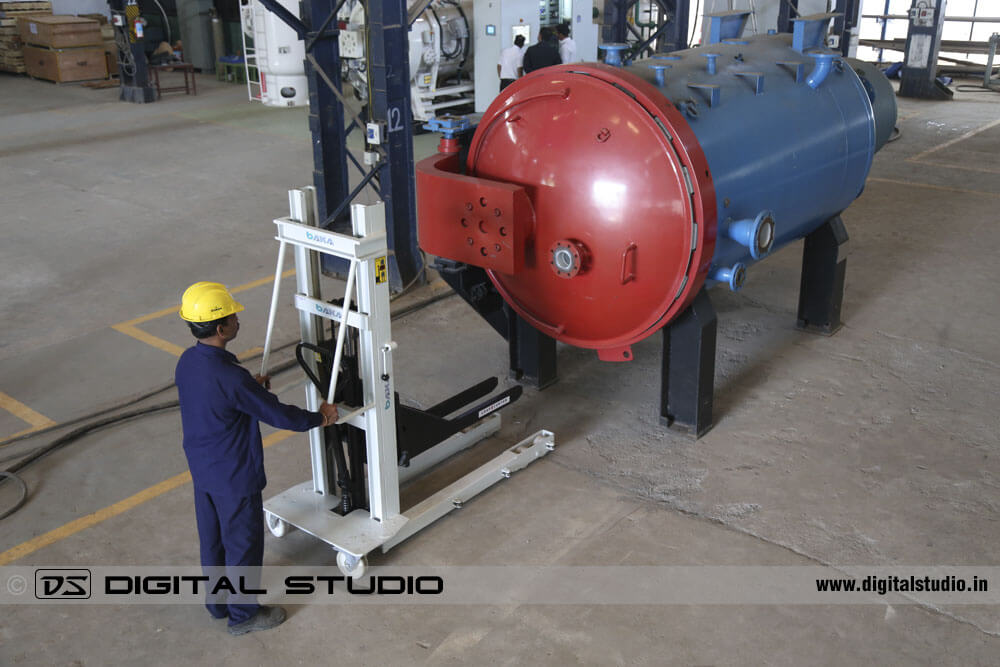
[381, 270]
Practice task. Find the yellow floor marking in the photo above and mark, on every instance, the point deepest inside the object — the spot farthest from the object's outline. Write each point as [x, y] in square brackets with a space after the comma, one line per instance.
[26, 432]
[950, 142]
[122, 506]
[994, 195]
[149, 339]
[967, 167]
[129, 328]
[25, 414]
[262, 281]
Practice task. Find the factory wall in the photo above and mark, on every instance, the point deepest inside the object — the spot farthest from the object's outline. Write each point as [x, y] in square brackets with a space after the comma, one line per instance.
[765, 12]
[80, 7]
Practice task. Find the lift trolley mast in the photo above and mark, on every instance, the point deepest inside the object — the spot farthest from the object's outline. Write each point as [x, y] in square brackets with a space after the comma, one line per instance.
[352, 502]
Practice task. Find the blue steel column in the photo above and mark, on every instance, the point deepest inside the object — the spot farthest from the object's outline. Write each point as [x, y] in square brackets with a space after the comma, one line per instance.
[326, 116]
[390, 104]
[615, 28]
[134, 87]
[671, 34]
[849, 11]
[674, 36]
[785, 15]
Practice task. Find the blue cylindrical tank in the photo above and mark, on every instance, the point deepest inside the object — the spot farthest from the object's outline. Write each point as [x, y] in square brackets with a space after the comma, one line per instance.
[787, 134]
[601, 199]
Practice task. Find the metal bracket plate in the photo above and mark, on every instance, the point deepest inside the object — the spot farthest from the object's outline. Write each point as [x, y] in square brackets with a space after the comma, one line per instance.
[330, 312]
[355, 534]
[331, 243]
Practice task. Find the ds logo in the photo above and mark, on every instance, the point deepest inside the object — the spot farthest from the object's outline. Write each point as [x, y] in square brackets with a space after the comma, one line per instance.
[62, 584]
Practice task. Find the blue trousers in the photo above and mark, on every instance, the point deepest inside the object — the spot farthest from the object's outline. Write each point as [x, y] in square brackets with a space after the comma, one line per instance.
[231, 533]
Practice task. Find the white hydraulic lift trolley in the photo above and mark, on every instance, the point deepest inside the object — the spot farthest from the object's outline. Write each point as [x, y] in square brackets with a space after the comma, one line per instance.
[316, 506]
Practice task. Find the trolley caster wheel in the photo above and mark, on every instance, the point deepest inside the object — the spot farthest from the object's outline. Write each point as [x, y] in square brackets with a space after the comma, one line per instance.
[278, 527]
[351, 566]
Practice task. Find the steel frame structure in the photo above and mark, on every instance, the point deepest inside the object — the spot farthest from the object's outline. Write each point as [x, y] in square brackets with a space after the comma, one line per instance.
[133, 68]
[848, 11]
[391, 174]
[669, 32]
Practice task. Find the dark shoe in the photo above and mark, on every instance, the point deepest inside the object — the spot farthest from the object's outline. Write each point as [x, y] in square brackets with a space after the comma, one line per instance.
[265, 619]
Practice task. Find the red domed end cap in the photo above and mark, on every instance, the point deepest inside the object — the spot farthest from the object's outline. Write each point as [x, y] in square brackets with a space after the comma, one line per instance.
[611, 165]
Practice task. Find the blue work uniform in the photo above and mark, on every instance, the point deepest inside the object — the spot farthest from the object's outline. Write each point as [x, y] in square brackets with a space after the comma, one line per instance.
[221, 407]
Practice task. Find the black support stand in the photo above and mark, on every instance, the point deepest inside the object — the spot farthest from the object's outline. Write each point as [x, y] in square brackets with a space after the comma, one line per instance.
[821, 292]
[688, 372]
[688, 364]
[133, 69]
[532, 353]
[919, 76]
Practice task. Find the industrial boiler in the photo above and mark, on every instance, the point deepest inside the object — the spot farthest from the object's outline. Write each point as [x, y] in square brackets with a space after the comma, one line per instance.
[274, 57]
[593, 203]
[440, 54]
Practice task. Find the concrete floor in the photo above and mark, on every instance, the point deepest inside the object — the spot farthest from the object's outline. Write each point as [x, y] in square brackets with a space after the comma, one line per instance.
[878, 446]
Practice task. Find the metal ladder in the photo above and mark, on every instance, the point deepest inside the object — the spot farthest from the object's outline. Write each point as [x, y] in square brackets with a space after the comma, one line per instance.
[753, 14]
[249, 15]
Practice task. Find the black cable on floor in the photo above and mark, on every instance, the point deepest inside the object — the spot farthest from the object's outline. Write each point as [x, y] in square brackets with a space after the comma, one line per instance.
[159, 390]
[6, 474]
[131, 401]
[76, 434]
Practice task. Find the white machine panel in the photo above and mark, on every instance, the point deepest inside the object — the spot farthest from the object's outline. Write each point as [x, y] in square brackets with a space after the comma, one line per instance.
[496, 24]
[583, 30]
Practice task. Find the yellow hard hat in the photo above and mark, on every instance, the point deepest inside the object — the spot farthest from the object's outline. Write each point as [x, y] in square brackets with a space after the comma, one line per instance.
[204, 302]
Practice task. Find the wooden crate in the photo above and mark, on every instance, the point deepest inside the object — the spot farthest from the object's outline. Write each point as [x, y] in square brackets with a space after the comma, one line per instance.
[12, 61]
[11, 56]
[9, 19]
[26, 6]
[60, 32]
[111, 56]
[64, 65]
[13, 65]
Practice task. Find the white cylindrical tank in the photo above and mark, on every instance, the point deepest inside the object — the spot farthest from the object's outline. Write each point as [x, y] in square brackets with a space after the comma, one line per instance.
[278, 55]
[440, 52]
[440, 43]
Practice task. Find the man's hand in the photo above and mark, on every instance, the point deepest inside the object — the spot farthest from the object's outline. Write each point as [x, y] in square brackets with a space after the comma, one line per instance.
[263, 380]
[329, 413]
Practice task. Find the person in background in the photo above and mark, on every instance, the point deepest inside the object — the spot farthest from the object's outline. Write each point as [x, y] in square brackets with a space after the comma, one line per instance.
[542, 54]
[509, 68]
[567, 47]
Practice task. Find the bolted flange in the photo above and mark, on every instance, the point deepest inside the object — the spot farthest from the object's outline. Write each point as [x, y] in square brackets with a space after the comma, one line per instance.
[568, 258]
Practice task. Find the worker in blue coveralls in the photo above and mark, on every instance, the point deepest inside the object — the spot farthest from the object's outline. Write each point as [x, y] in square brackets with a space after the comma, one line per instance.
[221, 407]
